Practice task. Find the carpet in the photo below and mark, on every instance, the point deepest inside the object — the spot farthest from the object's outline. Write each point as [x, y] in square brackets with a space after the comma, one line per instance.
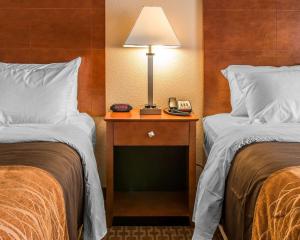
[153, 233]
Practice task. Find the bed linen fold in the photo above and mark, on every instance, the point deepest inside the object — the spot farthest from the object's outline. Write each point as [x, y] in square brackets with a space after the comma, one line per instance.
[94, 220]
[211, 185]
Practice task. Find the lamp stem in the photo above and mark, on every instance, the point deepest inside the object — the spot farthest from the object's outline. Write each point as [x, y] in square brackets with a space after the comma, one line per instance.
[150, 55]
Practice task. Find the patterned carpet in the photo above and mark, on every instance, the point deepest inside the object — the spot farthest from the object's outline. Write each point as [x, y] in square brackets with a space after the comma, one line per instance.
[152, 233]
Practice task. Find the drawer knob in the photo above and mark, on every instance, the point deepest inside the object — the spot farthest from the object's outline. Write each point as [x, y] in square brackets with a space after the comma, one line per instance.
[151, 134]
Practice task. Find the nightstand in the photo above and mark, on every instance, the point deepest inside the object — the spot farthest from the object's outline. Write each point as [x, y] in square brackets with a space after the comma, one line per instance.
[151, 165]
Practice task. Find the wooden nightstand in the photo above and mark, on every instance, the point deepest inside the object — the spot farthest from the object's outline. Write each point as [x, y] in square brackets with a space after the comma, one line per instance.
[152, 137]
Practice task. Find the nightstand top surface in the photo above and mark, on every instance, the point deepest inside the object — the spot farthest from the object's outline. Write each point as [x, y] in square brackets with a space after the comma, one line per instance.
[134, 115]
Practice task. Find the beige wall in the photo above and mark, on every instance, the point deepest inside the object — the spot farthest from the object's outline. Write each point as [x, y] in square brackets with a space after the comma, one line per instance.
[177, 72]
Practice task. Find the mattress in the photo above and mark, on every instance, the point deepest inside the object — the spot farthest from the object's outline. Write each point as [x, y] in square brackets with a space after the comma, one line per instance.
[215, 125]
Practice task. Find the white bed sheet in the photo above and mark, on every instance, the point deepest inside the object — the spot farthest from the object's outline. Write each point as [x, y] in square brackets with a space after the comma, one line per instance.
[86, 123]
[81, 120]
[215, 125]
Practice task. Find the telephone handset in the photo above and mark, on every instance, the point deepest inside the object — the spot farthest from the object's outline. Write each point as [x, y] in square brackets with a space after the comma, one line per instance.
[180, 107]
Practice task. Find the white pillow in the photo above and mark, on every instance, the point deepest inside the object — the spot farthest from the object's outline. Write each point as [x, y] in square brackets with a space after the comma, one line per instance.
[273, 97]
[235, 77]
[38, 93]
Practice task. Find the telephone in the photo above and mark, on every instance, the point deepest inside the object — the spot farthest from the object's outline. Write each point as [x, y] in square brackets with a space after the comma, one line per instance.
[180, 107]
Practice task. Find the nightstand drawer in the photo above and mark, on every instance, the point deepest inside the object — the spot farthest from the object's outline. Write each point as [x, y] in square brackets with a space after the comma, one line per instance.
[151, 133]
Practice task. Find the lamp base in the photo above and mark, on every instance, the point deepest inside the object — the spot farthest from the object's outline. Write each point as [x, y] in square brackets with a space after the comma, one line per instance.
[150, 110]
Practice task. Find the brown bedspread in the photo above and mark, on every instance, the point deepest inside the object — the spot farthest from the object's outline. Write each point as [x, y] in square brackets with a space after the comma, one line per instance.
[52, 166]
[250, 168]
[277, 211]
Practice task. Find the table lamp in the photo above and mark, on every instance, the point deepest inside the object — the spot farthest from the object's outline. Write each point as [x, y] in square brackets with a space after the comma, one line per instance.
[152, 28]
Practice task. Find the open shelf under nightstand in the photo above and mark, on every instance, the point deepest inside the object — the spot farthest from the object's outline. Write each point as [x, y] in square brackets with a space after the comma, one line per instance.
[151, 203]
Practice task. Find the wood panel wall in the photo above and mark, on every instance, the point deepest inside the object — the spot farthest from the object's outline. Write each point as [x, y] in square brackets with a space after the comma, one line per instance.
[256, 32]
[44, 31]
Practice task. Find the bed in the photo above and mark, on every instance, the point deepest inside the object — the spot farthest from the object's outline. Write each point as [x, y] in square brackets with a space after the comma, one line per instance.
[253, 164]
[49, 183]
[250, 184]
[48, 174]
[27, 172]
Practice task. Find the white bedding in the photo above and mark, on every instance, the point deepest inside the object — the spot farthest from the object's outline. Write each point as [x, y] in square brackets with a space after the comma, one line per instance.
[76, 132]
[211, 185]
[235, 76]
[38, 93]
[272, 97]
[86, 123]
[215, 125]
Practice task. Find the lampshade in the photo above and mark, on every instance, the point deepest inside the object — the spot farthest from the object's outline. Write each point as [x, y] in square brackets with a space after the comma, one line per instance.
[152, 28]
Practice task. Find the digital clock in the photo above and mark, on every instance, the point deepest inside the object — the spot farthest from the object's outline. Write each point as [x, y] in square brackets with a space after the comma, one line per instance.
[121, 107]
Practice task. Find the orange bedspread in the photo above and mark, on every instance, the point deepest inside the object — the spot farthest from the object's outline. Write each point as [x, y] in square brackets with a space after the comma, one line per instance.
[31, 205]
[277, 211]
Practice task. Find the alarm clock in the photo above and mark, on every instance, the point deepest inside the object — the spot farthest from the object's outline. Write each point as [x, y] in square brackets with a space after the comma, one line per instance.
[120, 107]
